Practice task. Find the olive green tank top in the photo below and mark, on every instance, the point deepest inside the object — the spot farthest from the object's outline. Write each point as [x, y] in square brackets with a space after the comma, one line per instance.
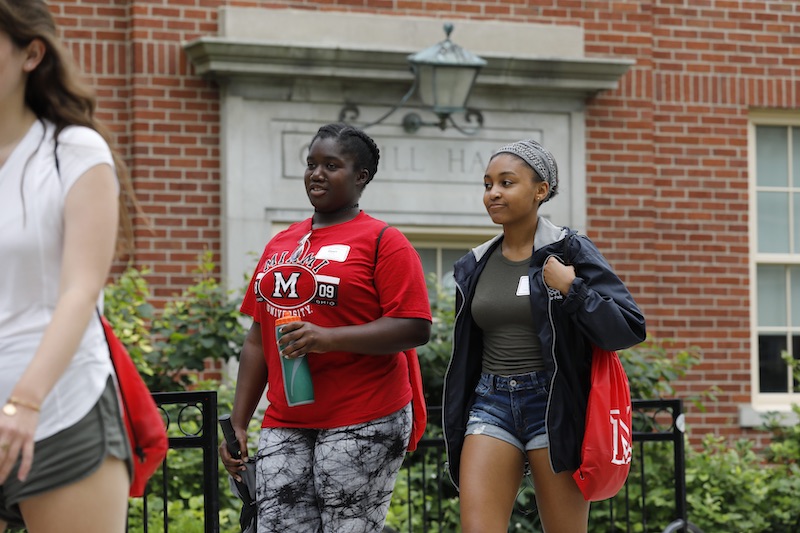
[501, 308]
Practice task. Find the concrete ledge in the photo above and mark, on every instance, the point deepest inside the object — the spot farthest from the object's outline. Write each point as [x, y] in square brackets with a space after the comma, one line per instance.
[752, 418]
[264, 43]
[369, 31]
[220, 59]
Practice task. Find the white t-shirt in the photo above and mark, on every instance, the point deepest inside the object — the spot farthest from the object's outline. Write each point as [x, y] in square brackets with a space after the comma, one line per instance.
[32, 194]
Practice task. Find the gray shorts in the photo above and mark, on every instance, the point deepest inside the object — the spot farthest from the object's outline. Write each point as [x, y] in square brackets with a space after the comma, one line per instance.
[70, 455]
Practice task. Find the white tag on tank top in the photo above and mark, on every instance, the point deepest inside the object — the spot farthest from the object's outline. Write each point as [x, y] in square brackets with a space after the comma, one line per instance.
[524, 288]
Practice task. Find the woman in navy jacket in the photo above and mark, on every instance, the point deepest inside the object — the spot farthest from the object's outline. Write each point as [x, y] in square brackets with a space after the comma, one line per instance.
[517, 384]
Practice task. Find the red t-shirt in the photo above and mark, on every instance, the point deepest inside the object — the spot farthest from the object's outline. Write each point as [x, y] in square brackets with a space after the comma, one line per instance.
[334, 281]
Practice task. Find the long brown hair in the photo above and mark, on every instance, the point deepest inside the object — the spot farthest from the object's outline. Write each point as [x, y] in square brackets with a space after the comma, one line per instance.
[54, 91]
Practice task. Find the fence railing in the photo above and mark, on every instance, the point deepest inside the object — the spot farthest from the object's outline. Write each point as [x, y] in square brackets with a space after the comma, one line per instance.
[191, 419]
[424, 484]
[423, 490]
[654, 421]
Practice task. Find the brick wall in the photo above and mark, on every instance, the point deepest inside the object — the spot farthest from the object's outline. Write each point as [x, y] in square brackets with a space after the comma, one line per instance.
[666, 152]
[165, 121]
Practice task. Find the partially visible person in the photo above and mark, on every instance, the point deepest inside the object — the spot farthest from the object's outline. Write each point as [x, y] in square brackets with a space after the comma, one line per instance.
[64, 456]
[516, 389]
[359, 289]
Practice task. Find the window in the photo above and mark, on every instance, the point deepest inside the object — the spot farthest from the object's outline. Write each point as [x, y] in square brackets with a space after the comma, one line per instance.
[776, 232]
[439, 260]
[440, 247]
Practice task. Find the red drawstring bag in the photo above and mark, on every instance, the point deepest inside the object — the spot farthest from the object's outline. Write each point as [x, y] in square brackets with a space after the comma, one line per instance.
[418, 405]
[146, 432]
[607, 441]
[608, 438]
[420, 409]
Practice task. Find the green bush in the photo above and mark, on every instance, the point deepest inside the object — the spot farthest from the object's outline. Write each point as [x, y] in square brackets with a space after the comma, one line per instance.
[651, 368]
[169, 348]
[202, 323]
[185, 479]
[409, 506]
[435, 355]
[130, 315]
[732, 488]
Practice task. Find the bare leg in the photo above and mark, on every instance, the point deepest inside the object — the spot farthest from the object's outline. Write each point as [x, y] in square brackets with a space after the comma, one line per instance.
[96, 504]
[3, 526]
[560, 502]
[490, 474]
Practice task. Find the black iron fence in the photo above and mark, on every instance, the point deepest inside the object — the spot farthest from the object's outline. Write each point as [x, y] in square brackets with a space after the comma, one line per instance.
[191, 419]
[658, 436]
[425, 501]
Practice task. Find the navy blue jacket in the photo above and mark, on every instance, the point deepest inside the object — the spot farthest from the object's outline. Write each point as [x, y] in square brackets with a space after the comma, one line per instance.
[598, 309]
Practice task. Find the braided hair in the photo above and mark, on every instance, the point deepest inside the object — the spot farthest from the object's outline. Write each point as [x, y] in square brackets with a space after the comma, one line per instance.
[353, 142]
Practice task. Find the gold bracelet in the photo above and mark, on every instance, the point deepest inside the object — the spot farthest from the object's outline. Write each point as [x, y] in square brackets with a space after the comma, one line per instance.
[24, 403]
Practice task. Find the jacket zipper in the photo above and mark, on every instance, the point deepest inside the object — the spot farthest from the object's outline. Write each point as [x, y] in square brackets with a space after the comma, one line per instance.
[552, 294]
[444, 384]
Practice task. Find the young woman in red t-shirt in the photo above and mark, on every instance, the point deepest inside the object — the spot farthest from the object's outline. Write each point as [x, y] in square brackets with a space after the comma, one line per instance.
[359, 290]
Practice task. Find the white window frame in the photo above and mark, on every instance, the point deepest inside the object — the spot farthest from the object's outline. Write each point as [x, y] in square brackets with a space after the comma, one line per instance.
[765, 402]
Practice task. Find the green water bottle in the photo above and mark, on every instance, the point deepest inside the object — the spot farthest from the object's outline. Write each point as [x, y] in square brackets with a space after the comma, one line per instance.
[297, 382]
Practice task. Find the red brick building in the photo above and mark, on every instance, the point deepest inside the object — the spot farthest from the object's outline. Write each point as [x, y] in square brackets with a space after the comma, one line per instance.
[692, 159]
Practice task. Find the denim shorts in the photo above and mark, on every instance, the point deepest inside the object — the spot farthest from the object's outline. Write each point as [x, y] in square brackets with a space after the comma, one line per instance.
[512, 409]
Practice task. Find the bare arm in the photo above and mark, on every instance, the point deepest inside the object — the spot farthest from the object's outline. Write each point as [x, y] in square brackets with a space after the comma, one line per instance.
[90, 229]
[250, 383]
[383, 336]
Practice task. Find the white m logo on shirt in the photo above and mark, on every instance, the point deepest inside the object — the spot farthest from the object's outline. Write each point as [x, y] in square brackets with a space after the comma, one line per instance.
[285, 288]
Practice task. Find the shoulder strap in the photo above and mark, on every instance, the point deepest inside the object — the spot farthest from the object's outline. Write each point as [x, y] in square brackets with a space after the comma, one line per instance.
[565, 252]
[377, 245]
[117, 349]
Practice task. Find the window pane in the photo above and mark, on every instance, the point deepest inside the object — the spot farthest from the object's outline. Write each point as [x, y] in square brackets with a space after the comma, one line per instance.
[796, 355]
[773, 222]
[771, 289]
[449, 257]
[794, 302]
[772, 370]
[772, 161]
[796, 213]
[796, 157]
[428, 258]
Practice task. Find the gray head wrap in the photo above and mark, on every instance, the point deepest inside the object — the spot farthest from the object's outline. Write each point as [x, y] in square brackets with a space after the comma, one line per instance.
[540, 160]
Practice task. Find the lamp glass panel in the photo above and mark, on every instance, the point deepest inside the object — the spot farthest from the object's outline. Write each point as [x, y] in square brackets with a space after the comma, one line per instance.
[425, 75]
[452, 87]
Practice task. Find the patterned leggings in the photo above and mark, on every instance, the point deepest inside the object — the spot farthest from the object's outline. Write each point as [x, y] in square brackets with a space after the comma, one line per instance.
[331, 480]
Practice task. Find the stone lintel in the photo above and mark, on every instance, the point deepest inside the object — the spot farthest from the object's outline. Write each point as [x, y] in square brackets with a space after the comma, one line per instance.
[223, 59]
